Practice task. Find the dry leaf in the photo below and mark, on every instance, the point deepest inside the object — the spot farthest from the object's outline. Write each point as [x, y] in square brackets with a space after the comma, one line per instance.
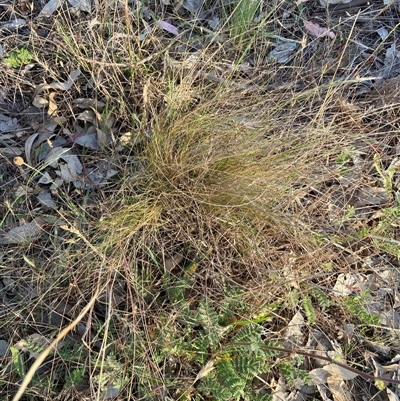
[111, 392]
[319, 376]
[8, 124]
[11, 151]
[4, 349]
[52, 104]
[171, 263]
[326, 3]
[99, 176]
[146, 31]
[383, 33]
[45, 178]
[84, 5]
[168, 27]
[391, 395]
[280, 392]
[23, 234]
[50, 7]
[41, 88]
[39, 102]
[68, 83]
[87, 115]
[193, 6]
[316, 30]
[102, 137]
[45, 199]
[282, 52]
[88, 141]
[294, 332]
[16, 23]
[340, 371]
[86, 103]
[54, 155]
[70, 171]
[349, 283]
[205, 370]
[29, 148]
[339, 389]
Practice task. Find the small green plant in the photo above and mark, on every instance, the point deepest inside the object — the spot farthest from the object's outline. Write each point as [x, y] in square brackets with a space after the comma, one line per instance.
[18, 58]
[344, 159]
[292, 373]
[73, 378]
[386, 175]
[383, 234]
[237, 362]
[111, 377]
[228, 353]
[320, 298]
[355, 304]
[309, 309]
[351, 211]
[242, 17]
[17, 362]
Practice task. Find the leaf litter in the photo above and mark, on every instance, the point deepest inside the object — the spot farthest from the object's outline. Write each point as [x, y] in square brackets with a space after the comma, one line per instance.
[57, 151]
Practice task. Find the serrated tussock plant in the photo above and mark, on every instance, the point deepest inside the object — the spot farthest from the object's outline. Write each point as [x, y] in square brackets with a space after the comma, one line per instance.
[200, 171]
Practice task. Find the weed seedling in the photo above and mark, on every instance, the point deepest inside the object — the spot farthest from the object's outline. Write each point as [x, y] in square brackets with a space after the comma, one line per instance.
[19, 58]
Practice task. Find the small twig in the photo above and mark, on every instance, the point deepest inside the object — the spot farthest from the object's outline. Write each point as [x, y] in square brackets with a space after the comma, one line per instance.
[29, 375]
[393, 241]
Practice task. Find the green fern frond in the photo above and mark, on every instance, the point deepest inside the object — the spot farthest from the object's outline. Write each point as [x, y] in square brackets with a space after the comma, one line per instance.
[232, 305]
[209, 386]
[321, 298]
[177, 287]
[309, 309]
[293, 298]
[227, 373]
[355, 304]
[199, 348]
[248, 334]
[248, 367]
[291, 373]
[207, 315]
[209, 319]
[73, 378]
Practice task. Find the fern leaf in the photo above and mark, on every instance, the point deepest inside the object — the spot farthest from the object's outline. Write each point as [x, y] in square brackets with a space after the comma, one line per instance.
[207, 315]
[199, 348]
[247, 367]
[226, 372]
[269, 353]
[208, 318]
[309, 309]
[210, 386]
[252, 395]
[248, 334]
[321, 298]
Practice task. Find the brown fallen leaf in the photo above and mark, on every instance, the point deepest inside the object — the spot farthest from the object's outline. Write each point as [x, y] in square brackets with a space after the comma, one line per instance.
[24, 233]
[171, 263]
[316, 30]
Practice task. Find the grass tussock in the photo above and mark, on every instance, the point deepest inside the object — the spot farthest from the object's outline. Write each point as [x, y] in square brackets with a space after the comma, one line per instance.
[209, 217]
[219, 164]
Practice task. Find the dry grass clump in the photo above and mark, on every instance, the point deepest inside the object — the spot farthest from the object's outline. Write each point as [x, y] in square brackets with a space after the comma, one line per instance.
[226, 164]
[213, 204]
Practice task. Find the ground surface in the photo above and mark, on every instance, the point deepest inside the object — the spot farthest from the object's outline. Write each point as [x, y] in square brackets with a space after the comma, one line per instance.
[183, 185]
